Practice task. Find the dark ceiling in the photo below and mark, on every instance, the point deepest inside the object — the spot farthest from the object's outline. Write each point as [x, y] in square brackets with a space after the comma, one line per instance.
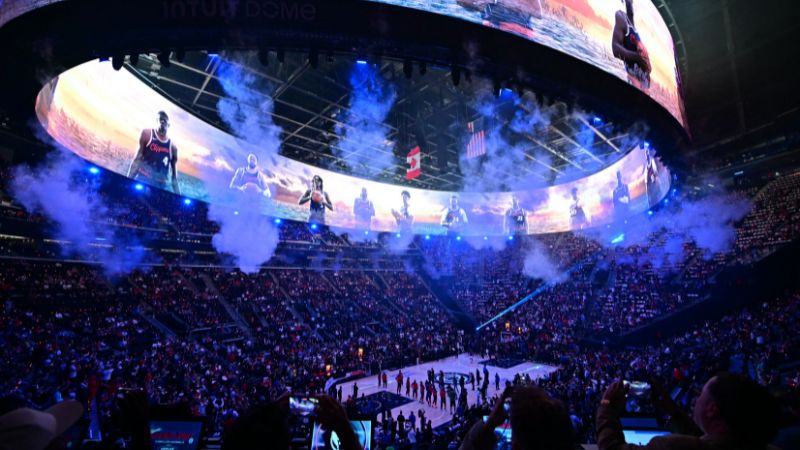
[311, 106]
[741, 68]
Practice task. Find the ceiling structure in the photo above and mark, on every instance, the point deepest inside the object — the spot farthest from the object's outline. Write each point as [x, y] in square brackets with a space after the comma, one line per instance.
[310, 104]
[738, 60]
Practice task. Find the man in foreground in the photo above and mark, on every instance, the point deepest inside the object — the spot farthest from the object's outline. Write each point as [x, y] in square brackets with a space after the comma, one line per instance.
[732, 412]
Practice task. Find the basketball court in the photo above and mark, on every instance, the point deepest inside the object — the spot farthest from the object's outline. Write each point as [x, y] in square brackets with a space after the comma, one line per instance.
[453, 367]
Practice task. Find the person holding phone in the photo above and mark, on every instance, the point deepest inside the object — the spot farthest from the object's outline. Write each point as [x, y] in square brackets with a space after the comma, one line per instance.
[538, 422]
[266, 426]
[732, 412]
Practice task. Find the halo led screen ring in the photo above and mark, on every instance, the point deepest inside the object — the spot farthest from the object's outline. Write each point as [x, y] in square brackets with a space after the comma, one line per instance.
[627, 38]
[101, 114]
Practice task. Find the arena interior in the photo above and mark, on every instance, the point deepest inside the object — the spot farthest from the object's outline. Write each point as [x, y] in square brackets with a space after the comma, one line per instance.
[399, 224]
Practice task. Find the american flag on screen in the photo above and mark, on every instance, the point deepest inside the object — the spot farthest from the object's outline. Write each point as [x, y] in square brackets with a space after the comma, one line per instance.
[477, 139]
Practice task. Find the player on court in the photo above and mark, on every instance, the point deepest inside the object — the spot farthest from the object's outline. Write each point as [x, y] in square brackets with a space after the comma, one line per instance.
[250, 178]
[318, 200]
[454, 218]
[156, 159]
[627, 46]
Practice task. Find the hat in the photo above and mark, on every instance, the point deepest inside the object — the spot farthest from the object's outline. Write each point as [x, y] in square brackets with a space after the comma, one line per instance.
[29, 429]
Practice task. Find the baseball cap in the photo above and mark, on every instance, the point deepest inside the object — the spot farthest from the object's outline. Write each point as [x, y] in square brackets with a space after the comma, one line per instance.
[30, 429]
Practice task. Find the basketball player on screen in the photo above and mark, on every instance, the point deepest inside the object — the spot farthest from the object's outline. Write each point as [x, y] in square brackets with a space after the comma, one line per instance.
[650, 171]
[454, 218]
[404, 219]
[250, 179]
[622, 199]
[363, 210]
[317, 200]
[577, 216]
[156, 158]
[627, 46]
[516, 219]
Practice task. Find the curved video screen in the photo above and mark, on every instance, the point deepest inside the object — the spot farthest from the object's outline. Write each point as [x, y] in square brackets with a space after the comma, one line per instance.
[627, 38]
[107, 116]
[11, 9]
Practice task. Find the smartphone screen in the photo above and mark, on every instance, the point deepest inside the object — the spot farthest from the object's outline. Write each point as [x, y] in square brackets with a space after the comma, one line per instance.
[303, 406]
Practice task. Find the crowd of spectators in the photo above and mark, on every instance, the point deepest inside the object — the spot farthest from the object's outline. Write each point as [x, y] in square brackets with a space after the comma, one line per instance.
[221, 341]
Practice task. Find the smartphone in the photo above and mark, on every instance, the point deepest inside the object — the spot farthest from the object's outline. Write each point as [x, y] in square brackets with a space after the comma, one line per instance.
[303, 406]
[122, 392]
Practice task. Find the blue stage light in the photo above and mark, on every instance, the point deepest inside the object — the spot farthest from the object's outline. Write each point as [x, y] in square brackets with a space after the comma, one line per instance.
[398, 235]
[486, 238]
[187, 201]
[650, 213]
[366, 232]
[646, 144]
[619, 238]
[277, 221]
[236, 213]
[511, 238]
[458, 238]
[138, 186]
[313, 226]
[362, 62]
[427, 237]
[597, 121]
[94, 170]
[535, 293]
[666, 201]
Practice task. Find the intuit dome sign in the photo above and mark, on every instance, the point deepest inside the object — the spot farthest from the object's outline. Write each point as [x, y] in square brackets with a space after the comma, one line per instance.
[280, 10]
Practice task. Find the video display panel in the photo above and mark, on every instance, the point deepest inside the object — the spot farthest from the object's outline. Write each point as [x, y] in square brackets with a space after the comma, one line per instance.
[105, 116]
[322, 439]
[175, 435]
[11, 9]
[627, 38]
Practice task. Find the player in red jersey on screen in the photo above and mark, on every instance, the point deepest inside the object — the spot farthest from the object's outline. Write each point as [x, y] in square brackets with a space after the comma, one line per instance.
[628, 46]
[157, 157]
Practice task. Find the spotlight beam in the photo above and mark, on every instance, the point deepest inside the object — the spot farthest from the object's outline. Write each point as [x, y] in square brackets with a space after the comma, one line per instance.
[535, 293]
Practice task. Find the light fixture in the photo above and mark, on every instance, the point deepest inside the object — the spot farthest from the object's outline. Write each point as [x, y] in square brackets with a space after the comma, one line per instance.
[455, 75]
[313, 58]
[263, 57]
[117, 61]
[408, 69]
[163, 58]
